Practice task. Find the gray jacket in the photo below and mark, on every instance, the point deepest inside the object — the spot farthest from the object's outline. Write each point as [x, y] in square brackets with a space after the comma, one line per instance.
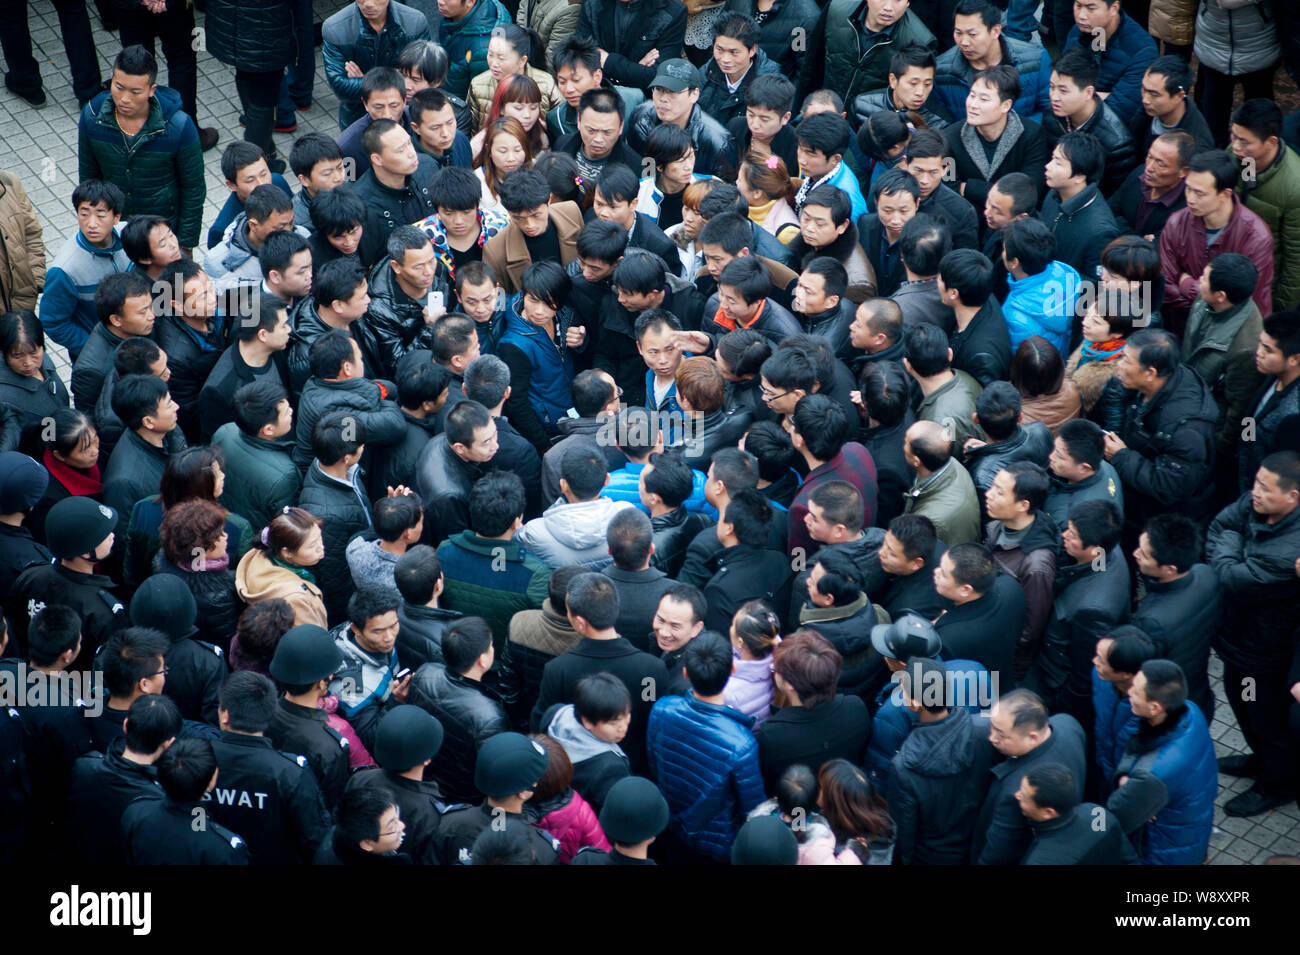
[572, 533]
[1236, 36]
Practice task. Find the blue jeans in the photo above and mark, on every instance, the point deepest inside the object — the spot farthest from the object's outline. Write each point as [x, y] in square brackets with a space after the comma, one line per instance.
[1021, 21]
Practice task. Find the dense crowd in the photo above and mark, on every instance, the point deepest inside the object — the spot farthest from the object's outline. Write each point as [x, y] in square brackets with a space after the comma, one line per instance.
[771, 432]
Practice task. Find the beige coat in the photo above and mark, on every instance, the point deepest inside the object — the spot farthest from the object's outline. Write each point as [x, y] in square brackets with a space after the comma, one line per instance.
[1173, 21]
[1053, 410]
[22, 250]
[507, 253]
[257, 579]
[1090, 379]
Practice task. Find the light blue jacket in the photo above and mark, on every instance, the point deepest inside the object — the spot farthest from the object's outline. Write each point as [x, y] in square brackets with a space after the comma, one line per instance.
[68, 306]
[1043, 304]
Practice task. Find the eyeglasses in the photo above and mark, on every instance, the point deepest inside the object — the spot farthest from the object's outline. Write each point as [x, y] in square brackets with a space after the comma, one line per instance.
[772, 395]
[163, 672]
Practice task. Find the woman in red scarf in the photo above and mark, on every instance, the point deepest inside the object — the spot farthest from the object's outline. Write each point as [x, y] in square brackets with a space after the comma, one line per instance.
[1106, 327]
[71, 455]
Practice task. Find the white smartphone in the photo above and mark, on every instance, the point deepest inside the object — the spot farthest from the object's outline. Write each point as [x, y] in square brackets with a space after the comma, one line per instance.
[437, 300]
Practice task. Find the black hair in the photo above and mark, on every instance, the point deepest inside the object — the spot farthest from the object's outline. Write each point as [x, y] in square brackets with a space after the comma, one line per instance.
[602, 100]
[453, 335]
[394, 516]
[403, 239]
[1098, 522]
[380, 78]
[591, 392]
[372, 140]
[1234, 274]
[841, 504]
[823, 425]
[576, 51]
[970, 273]
[279, 249]
[1286, 465]
[1175, 540]
[135, 60]
[464, 641]
[894, 181]
[250, 701]
[329, 351]
[257, 404]
[617, 183]
[708, 663]
[1083, 441]
[563, 177]
[1029, 482]
[840, 579]
[94, 192]
[307, 151]
[670, 477]
[359, 811]
[640, 273]
[916, 536]
[666, 144]
[475, 272]
[834, 200]
[21, 328]
[1262, 117]
[54, 630]
[337, 281]
[827, 133]
[1020, 189]
[749, 513]
[416, 574]
[508, 844]
[973, 566]
[584, 469]
[748, 276]
[486, 380]
[495, 501]
[790, 369]
[366, 603]
[135, 236]
[593, 597]
[131, 655]
[336, 212]
[336, 435]
[736, 469]
[113, 291]
[463, 420]
[558, 586]
[926, 143]
[1166, 684]
[923, 243]
[1156, 349]
[239, 155]
[913, 54]
[1031, 243]
[1054, 788]
[998, 407]
[151, 721]
[136, 356]
[885, 391]
[1079, 65]
[1085, 154]
[771, 91]
[265, 201]
[986, 11]
[927, 349]
[654, 319]
[602, 240]
[418, 382]
[136, 397]
[266, 317]
[768, 442]
[1177, 74]
[456, 189]
[629, 537]
[723, 197]
[1284, 328]
[1002, 78]
[428, 100]
[524, 189]
[744, 350]
[72, 430]
[1131, 648]
[600, 697]
[1224, 168]
[427, 58]
[1037, 368]
[729, 230]
[185, 768]
[547, 282]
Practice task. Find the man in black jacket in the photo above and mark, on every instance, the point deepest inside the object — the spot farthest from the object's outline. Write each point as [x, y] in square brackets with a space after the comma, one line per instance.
[192, 334]
[987, 614]
[1066, 831]
[396, 187]
[400, 316]
[422, 391]
[885, 391]
[908, 555]
[1075, 210]
[1079, 472]
[1164, 454]
[596, 399]
[1252, 545]
[103, 784]
[997, 412]
[615, 201]
[1183, 607]
[639, 585]
[1020, 729]
[627, 36]
[592, 607]
[597, 139]
[469, 711]
[1167, 106]
[270, 797]
[195, 668]
[1155, 190]
[665, 483]
[939, 778]
[897, 198]
[746, 569]
[124, 304]
[257, 354]
[418, 577]
[340, 298]
[925, 159]
[450, 464]
[674, 94]
[1076, 107]
[821, 305]
[135, 470]
[980, 343]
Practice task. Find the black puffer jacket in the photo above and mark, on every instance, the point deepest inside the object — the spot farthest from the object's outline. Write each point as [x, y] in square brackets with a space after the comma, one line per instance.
[1170, 453]
[419, 641]
[1031, 442]
[344, 514]
[937, 784]
[470, 713]
[190, 363]
[1111, 132]
[775, 33]
[108, 425]
[983, 348]
[307, 327]
[252, 35]
[1182, 617]
[713, 433]
[715, 150]
[381, 418]
[399, 464]
[893, 474]
[656, 25]
[214, 594]
[616, 347]
[673, 533]
[33, 400]
[396, 320]
[443, 482]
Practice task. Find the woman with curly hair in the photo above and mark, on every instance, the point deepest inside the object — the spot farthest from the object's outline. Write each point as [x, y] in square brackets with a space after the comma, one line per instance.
[194, 540]
[505, 149]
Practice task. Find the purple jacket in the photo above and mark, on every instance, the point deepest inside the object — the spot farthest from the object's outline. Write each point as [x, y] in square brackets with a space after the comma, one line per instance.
[750, 689]
[1183, 252]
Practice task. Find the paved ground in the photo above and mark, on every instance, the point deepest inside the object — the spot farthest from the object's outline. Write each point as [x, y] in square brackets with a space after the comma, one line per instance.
[41, 147]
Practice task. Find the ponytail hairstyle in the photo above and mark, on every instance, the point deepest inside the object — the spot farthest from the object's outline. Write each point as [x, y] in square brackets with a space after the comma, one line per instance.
[288, 530]
[768, 174]
[855, 811]
[525, 42]
[757, 627]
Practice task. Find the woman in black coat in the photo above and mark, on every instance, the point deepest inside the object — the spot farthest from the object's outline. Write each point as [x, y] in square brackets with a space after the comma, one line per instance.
[30, 389]
[194, 541]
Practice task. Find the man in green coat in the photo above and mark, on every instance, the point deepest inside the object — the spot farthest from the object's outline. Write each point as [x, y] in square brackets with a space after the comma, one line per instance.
[136, 135]
[942, 491]
[1270, 187]
[853, 42]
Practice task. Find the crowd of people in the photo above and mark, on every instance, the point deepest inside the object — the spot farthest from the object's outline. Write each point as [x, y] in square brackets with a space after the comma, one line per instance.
[776, 432]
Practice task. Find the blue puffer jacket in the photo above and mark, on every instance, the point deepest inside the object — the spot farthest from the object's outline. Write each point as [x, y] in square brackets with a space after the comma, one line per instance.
[466, 42]
[347, 36]
[705, 759]
[953, 75]
[1114, 725]
[550, 366]
[1043, 304]
[1183, 759]
[892, 721]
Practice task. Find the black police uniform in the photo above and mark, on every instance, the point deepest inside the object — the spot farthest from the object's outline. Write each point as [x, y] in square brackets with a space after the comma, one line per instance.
[165, 832]
[460, 828]
[417, 804]
[91, 595]
[195, 671]
[590, 855]
[15, 790]
[302, 731]
[100, 788]
[270, 798]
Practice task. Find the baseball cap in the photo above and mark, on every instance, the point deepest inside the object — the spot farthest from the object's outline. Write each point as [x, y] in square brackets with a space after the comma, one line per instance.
[677, 75]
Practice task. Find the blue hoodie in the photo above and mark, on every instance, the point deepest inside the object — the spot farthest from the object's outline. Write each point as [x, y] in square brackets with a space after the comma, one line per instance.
[1043, 304]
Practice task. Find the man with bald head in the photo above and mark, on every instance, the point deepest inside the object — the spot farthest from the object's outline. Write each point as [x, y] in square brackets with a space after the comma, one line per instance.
[942, 491]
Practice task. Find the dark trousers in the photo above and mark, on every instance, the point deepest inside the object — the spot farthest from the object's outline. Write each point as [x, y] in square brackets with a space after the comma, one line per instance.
[258, 93]
[1214, 92]
[175, 29]
[1265, 720]
[24, 75]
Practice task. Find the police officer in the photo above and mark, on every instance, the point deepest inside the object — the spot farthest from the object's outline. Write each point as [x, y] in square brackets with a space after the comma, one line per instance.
[177, 829]
[306, 659]
[195, 668]
[407, 740]
[508, 767]
[634, 814]
[22, 484]
[15, 786]
[79, 533]
[269, 797]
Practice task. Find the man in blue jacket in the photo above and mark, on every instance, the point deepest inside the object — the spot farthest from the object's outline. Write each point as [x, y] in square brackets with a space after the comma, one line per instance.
[980, 43]
[704, 757]
[1122, 45]
[465, 32]
[367, 34]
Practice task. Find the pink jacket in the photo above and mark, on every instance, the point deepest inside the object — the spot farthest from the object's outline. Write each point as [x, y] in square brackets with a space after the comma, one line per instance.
[575, 825]
[821, 851]
[358, 755]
